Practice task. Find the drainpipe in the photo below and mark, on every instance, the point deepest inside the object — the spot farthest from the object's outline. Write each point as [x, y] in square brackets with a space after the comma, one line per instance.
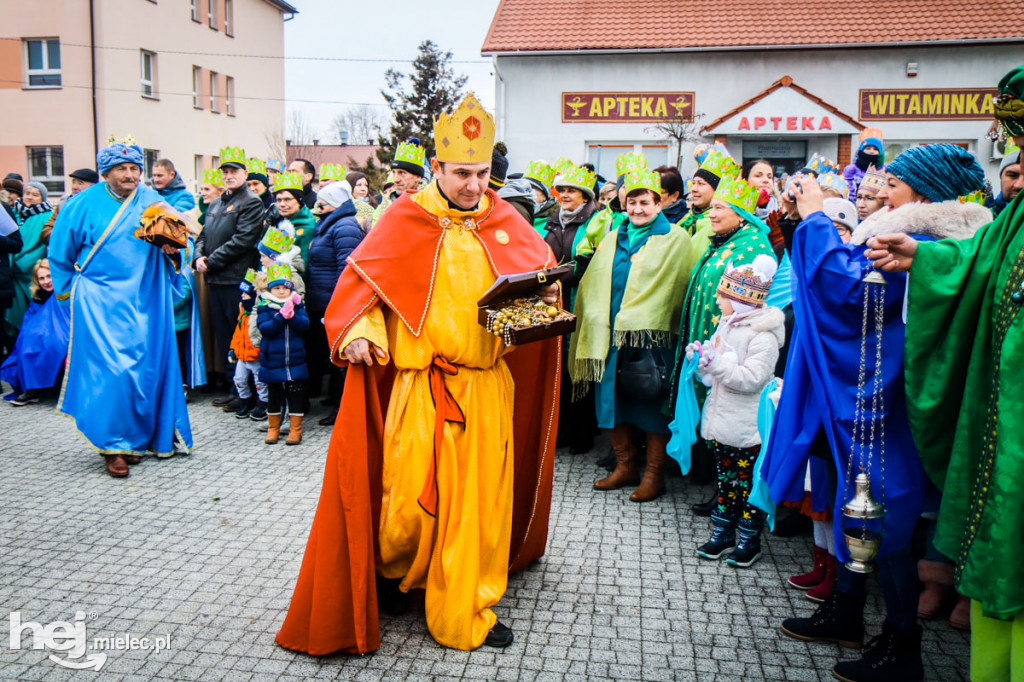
[92, 64]
[499, 109]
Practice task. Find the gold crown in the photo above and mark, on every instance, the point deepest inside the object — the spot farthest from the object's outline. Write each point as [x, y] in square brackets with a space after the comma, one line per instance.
[127, 140]
[287, 180]
[744, 285]
[465, 136]
[332, 171]
[835, 182]
[642, 178]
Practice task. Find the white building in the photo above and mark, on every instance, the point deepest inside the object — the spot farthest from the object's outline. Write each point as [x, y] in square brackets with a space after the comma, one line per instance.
[777, 84]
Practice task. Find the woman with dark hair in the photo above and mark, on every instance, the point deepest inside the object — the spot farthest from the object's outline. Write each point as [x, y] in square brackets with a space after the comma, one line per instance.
[673, 201]
[761, 174]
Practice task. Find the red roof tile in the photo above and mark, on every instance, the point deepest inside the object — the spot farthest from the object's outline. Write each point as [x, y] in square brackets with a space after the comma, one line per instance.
[542, 25]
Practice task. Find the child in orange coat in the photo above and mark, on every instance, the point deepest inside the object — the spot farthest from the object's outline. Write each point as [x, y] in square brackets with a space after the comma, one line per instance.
[247, 354]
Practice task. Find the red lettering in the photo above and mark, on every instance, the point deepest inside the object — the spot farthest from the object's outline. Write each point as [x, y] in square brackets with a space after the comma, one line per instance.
[776, 120]
[825, 124]
[791, 123]
[758, 122]
[807, 123]
[744, 124]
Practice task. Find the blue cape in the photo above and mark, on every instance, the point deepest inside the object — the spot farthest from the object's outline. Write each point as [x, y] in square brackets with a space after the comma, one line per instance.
[41, 348]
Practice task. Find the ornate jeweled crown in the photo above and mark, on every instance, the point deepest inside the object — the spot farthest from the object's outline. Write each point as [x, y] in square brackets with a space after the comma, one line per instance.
[870, 132]
[287, 180]
[629, 162]
[720, 165]
[541, 172]
[232, 155]
[279, 273]
[562, 165]
[873, 180]
[466, 135]
[127, 140]
[213, 176]
[737, 192]
[332, 171]
[276, 242]
[577, 176]
[642, 178]
[254, 165]
[701, 151]
[744, 285]
[820, 165]
[836, 182]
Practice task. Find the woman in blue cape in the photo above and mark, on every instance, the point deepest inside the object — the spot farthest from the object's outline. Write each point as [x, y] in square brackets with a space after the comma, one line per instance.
[123, 385]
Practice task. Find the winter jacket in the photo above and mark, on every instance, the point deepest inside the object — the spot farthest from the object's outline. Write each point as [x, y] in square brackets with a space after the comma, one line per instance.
[177, 195]
[745, 352]
[241, 341]
[676, 211]
[9, 245]
[333, 240]
[542, 213]
[183, 307]
[282, 351]
[563, 240]
[233, 226]
[308, 196]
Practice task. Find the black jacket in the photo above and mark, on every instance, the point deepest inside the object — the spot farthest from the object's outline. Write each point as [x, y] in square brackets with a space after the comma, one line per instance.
[308, 196]
[234, 224]
[9, 245]
[561, 239]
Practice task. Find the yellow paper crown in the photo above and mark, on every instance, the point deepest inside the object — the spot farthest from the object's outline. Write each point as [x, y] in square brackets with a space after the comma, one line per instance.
[642, 178]
[579, 177]
[410, 152]
[737, 192]
[127, 140]
[213, 176]
[836, 182]
[720, 165]
[332, 171]
[256, 166]
[629, 162]
[541, 172]
[232, 155]
[287, 180]
[465, 136]
[871, 132]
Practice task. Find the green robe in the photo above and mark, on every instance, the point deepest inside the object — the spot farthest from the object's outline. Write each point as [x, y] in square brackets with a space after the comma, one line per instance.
[964, 364]
[698, 225]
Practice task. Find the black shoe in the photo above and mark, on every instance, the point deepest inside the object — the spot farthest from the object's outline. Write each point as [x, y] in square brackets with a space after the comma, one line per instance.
[839, 619]
[499, 637]
[608, 461]
[390, 599]
[723, 536]
[221, 402]
[893, 656]
[749, 548]
[581, 448]
[329, 419]
[26, 398]
[248, 406]
[705, 508]
[233, 405]
[259, 413]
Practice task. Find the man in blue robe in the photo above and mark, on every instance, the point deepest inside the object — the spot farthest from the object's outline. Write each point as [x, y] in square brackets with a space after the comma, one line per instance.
[123, 384]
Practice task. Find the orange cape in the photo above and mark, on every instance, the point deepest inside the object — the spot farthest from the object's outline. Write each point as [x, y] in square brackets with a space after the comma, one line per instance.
[334, 607]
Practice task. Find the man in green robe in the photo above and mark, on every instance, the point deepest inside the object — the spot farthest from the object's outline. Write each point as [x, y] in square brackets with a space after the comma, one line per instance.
[964, 363]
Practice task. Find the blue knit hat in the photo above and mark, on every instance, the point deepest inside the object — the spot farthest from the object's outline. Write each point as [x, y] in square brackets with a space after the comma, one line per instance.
[939, 172]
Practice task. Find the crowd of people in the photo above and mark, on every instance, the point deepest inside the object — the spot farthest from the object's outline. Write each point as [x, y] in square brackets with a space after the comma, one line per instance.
[730, 326]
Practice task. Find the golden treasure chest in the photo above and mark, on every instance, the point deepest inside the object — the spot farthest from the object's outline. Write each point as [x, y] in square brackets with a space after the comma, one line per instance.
[512, 308]
[161, 225]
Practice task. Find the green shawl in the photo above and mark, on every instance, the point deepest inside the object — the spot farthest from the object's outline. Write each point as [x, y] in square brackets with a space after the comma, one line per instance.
[651, 304]
[698, 225]
[964, 362]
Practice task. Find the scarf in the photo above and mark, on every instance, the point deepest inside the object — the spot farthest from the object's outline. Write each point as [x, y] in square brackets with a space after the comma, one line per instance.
[29, 211]
[567, 218]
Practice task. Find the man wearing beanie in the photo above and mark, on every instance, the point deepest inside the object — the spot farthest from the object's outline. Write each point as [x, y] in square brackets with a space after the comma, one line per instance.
[1009, 182]
[964, 360]
[499, 166]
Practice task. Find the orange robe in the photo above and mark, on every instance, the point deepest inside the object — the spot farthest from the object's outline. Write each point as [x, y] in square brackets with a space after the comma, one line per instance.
[483, 468]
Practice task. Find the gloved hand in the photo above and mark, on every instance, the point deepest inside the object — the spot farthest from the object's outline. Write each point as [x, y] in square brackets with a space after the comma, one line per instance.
[693, 348]
[288, 309]
[232, 358]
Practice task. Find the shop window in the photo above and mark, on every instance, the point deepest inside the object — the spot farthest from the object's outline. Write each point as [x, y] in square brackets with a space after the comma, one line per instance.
[46, 165]
[42, 63]
[657, 155]
[147, 68]
[197, 170]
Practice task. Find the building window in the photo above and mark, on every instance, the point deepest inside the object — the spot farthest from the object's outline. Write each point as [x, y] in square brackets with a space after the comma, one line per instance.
[147, 68]
[211, 13]
[42, 63]
[213, 92]
[195, 11]
[149, 157]
[229, 95]
[197, 87]
[229, 17]
[46, 165]
[197, 170]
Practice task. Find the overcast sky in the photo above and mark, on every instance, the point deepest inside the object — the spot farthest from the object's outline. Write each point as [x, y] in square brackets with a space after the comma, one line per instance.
[383, 30]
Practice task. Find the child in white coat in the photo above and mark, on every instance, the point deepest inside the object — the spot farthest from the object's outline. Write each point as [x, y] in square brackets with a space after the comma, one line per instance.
[737, 363]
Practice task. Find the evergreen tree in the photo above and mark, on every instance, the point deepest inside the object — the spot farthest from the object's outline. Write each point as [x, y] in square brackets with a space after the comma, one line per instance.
[435, 89]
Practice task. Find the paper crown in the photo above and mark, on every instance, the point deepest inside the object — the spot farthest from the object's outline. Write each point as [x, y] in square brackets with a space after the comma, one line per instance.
[870, 132]
[975, 197]
[232, 155]
[332, 171]
[541, 172]
[629, 162]
[720, 165]
[279, 274]
[687, 186]
[562, 164]
[642, 178]
[213, 176]
[836, 182]
[254, 165]
[737, 192]
[276, 165]
[873, 180]
[819, 164]
[410, 152]
[247, 285]
[466, 135]
[701, 151]
[745, 284]
[127, 140]
[275, 242]
[577, 176]
[287, 180]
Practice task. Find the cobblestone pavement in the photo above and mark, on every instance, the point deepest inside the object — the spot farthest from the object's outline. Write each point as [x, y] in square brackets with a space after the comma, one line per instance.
[206, 549]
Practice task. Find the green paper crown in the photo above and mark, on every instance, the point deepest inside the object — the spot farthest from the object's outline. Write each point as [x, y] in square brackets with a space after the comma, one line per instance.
[256, 166]
[279, 273]
[820, 165]
[643, 178]
[232, 155]
[576, 176]
[976, 197]
[541, 172]
[411, 153]
[737, 192]
[213, 176]
[332, 171]
[277, 241]
[562, 165]
[720, 165]
[629, 163]
[287, 180]
[836, 182]
[250, 275]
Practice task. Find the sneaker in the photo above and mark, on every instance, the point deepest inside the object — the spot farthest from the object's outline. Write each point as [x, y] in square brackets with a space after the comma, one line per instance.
[26, 398]
[259, 413]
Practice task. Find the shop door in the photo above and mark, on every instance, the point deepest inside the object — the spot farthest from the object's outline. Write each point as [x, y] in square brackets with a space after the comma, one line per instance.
[786, 156]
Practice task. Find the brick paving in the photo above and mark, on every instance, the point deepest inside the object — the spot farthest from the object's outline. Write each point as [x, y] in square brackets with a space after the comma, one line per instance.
[206, 549]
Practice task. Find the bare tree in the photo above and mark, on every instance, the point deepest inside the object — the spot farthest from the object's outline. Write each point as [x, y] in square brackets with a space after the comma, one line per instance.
[681, 128]
[300, 131]
[363, 122]
[277, 147]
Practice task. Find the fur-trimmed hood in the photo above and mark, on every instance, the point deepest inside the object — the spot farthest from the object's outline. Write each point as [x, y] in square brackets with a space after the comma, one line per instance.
[943, 220]
[765, 319]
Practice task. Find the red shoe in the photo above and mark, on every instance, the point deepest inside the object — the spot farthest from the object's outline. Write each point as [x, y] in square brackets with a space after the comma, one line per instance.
[116, 466]
[813, 577]
[961, 616]
[937, 578]
[821, 592]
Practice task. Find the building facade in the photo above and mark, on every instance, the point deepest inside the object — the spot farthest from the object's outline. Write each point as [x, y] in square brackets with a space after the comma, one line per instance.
[183, 77]
[650, 74]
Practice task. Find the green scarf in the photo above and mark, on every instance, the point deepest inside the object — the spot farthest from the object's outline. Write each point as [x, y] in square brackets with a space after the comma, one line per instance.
[651, 304]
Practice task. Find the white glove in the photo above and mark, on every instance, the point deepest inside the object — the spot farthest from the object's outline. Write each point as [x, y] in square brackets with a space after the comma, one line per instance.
[691, 349]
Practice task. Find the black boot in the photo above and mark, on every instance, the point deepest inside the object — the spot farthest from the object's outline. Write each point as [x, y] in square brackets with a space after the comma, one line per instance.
[259, 413]
[749, 548]
[246, 408]
[723, 536]
[390, 598]
[705, 508]
[893, 656]
[233, 405]
[329, 419]
[839, 619]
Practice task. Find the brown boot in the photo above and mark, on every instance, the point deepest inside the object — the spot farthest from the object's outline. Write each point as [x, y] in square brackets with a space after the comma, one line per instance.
[273, 428]
[937, 577]
[294, 429]
[625, 472]
[116, 466]
[961, 616]
[653, 483]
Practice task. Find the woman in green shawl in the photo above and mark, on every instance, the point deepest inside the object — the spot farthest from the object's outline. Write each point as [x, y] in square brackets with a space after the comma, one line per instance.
[34, 216]
[628, 308]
